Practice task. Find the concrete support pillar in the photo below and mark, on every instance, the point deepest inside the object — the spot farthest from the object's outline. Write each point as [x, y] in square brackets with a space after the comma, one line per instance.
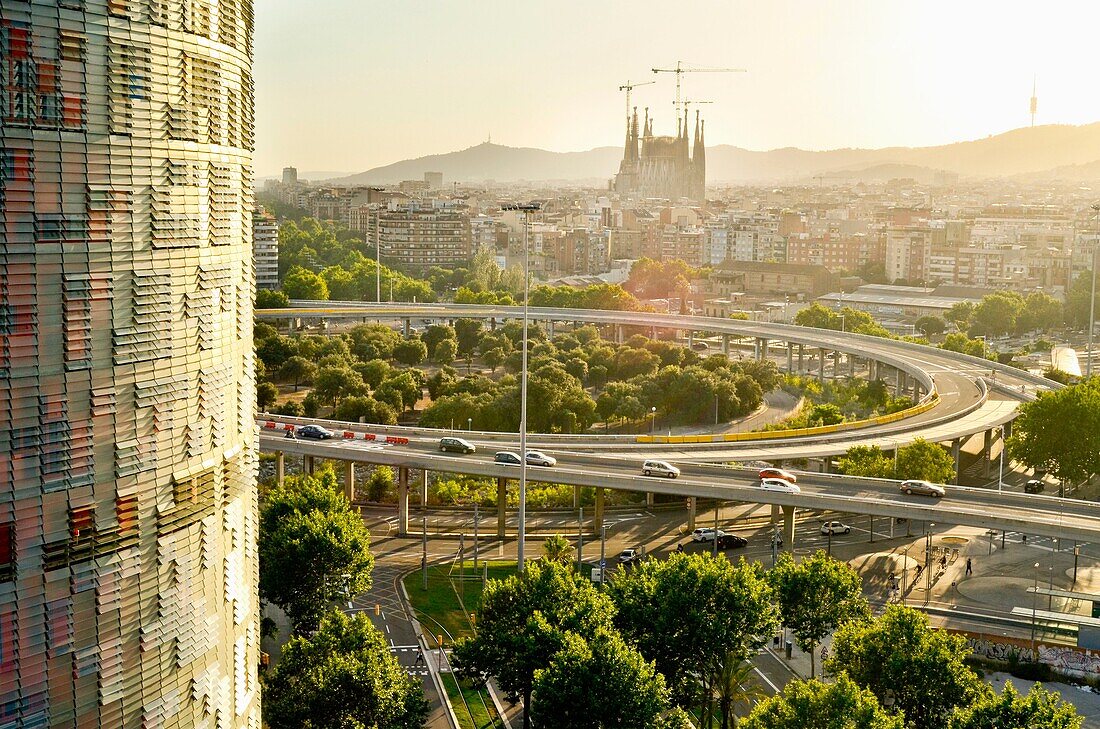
[691, 513]
[349, 481]
[761, 349]
[550, 329]
[618, 334]
[653, 332]
[649, 498]
[851, 364]
[308, 465]
[402, 500]
[726, 344]
[956, 453]
[280, 468]
[408, 327]
[821, 365]
[899, 388]
[801, 357]
[872, 370]
[492, 323]
[790, 357]
[691, 338]
[827, 464]
[1007, 433]
[987, 447]
[424, 489]
[597, 512]
[788, 528]
[502, 505]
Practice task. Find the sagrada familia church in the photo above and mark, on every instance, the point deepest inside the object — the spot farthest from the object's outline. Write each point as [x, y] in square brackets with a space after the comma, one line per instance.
[661, 167]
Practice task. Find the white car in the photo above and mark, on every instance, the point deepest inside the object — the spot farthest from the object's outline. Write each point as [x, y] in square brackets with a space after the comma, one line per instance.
[660, 468]
[835, 527]
[778, 484]
[628, 555]
[706, 534]
[538, 458]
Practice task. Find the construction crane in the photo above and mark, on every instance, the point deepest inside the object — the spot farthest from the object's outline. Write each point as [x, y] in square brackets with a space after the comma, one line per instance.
[681, 69]
[628, 87]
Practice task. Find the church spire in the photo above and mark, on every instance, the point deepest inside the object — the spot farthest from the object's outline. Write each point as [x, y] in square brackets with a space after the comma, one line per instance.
[634, 135]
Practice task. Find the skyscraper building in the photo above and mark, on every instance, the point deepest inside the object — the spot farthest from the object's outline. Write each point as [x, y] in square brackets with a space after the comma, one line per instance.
[127, 441]
[663, 167]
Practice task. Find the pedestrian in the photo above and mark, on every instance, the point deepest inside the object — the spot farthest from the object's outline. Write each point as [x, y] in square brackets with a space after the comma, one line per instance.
[943, 562]
[679, 547]
[920, 568]
[969, 567]
[419, 657]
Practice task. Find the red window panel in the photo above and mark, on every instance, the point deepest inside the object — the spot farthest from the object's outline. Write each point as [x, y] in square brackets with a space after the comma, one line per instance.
[126, 509]
[72, 110]
[47, 78]
[19, 40]
[81, 521]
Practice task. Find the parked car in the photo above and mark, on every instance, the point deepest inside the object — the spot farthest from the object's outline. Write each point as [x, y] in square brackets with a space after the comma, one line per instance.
[924, 488]
[628, 555]
[538, 458]
[835, 527]
[456, 445]
[660, 468]
[1034, 486]
[507, 457]
[700, 346]
[778, 484]
[315, 431]
[778, 473]
[706, 534]
[731, 541]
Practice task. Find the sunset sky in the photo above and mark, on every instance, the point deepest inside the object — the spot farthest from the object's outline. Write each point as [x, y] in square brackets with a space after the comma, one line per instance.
[346, 85]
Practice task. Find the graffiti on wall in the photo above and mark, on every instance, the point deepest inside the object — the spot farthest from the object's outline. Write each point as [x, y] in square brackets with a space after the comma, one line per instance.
[1069, 659]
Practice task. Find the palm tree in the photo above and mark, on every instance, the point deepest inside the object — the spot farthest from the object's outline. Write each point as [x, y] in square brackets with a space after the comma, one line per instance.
[558, 549]
[731, 687]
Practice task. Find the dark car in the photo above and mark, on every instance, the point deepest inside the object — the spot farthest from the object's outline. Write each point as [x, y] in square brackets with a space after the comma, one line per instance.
[315, 431]
[456, 445]
[731, 541]
[1034, 486]
[507, 457]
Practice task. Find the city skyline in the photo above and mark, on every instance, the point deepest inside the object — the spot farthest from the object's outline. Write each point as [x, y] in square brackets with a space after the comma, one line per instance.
[864, 74]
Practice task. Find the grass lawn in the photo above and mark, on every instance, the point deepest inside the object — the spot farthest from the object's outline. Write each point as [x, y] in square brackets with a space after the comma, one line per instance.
[481, 714]
[450, 589]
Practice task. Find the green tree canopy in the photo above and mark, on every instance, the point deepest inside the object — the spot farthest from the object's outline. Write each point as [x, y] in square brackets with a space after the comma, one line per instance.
[929, 325]
[817, 705]
[1060, 431]
[816, 596]
[689, 611]
[301, 283]
[924, 460]
[1038, 709]
[343, 675]
[596, 683]
[558, 549]
[298, 370]
[866, 461]
[897, 655]
[333, 383]
[266, 395]
[313, 548]
[411, 351]
[268, 299]
[524, 620]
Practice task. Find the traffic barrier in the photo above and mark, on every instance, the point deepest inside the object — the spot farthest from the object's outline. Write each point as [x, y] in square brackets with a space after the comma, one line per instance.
[346, 434]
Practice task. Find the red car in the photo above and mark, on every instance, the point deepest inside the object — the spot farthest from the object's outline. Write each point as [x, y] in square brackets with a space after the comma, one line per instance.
[778, 473]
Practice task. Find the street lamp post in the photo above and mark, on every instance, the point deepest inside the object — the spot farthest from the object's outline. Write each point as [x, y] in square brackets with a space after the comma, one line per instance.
[1001, 469]
[469, 424]
[928, 562]
[652, 418]
[526, 209]
[1034, 599]
[716, 408]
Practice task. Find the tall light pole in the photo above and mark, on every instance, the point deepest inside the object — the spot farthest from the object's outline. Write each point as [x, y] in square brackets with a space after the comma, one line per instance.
[1001, 469]
[1034, 599]
[1092, 300]
[526, 209]
[652, 419]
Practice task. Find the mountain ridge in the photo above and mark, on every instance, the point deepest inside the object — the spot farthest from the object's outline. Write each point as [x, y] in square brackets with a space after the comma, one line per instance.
[1042, 151]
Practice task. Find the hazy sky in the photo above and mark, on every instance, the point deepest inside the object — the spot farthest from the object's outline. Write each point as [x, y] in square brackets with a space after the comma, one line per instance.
[346, 85]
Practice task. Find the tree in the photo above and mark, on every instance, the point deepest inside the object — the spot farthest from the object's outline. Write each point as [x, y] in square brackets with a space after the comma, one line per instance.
[816, 315]
[691, 610]
[437, 333]
[733, 686]
[558, 549]
[1039, 709]
[824, 414]
[344, 675]
[1042, 440]
[373, 341]
[898, 655]
[960, 313]
[268, 299]
[924, 461]
[411, 351]
[596, 683]
[266, 395]
[299, 370]
[1040, 311]
[365, 409]
[996, 314]
[407, 384]
[816, 596]
[493, 358]
[313, 548]
[1079, 300]
[866, 462]
[524, 621]
[929, 325]
[301, 283]
[333, 383]
[467, 332]
[817, 705]
[445, 352]
[380, 483]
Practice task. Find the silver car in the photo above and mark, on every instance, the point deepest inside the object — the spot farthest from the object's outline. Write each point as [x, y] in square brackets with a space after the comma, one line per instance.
[538, 458]
[924, 488]
[660, 468]
[778, 484]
